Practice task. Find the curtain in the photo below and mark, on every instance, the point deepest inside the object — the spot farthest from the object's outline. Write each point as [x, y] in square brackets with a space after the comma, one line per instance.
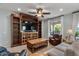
[75, 22]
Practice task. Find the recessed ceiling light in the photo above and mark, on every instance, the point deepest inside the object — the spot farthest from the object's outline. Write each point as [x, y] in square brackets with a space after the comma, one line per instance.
[19, 9]
[61, 9]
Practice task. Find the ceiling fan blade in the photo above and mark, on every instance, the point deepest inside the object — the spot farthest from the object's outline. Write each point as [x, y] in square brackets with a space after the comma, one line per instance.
[32, 12]
[46, 12]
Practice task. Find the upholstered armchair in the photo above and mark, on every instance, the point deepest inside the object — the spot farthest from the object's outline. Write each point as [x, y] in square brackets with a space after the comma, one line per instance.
[55, 39]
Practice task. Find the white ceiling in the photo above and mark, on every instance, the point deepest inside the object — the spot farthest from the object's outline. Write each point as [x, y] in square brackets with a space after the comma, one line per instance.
[52, 7]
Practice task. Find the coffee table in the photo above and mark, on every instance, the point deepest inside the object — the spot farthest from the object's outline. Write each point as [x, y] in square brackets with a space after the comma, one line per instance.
[35, 44]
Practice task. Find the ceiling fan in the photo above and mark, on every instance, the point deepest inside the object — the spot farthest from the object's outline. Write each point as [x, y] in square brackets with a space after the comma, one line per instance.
[40, 12]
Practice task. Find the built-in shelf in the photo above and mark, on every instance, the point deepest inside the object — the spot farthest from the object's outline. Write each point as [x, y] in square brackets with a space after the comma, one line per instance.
[16, 28]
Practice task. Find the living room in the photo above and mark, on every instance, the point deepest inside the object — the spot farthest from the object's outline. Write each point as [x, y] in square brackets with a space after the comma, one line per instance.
[39, 29]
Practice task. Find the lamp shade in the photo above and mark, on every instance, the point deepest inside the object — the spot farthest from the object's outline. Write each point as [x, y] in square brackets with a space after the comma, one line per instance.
[70, 31]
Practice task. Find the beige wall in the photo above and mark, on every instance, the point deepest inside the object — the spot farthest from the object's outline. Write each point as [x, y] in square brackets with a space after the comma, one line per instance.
[5, 32]
[67, 23]
[45, 29]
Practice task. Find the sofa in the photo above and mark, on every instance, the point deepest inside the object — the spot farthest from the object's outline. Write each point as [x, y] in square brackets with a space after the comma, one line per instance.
[62, 49]
[5, 52]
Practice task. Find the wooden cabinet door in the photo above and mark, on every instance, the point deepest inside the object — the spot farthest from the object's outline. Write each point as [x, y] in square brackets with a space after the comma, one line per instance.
[16, 35]
[39, 29]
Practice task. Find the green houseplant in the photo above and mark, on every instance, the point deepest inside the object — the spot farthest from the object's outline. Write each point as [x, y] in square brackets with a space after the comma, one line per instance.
[57, 28]
[77, 33]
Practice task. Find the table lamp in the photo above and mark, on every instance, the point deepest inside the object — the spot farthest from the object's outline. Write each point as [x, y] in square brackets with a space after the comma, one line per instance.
[70, 34]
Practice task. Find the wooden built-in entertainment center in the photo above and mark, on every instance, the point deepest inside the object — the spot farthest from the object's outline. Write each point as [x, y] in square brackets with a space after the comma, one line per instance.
[20, 37]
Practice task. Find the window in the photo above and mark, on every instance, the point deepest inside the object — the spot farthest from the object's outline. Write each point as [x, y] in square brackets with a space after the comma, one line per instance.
[55, 28]
[77, 31]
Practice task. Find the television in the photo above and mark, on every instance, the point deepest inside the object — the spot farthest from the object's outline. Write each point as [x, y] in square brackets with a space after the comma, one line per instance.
[28, 27]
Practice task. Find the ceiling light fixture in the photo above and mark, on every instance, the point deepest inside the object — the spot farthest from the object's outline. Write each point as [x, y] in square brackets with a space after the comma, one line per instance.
[61, 9]
[40, 12]
[19, 9]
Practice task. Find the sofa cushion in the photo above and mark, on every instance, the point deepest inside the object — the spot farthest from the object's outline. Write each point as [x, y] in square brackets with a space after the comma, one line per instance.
[63, 46]
[69, 52]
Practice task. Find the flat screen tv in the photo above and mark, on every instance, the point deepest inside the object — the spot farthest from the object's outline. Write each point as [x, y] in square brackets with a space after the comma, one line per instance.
[28, 27]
